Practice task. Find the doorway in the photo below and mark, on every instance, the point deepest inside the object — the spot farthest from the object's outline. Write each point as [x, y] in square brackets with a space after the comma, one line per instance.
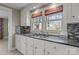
[3, 28]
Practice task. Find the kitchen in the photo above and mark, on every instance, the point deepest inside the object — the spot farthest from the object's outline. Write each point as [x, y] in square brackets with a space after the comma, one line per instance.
[44, 29]
[50, 29]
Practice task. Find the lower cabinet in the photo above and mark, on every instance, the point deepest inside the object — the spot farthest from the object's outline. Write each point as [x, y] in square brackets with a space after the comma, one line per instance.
[23, 44]
[17, 42]
[49, 48]
[20, 43]
[73, 50]
[39, 47]
[31, 46]
[55, 49]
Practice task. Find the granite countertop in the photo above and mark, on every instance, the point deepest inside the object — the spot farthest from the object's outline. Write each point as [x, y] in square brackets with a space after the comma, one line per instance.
[54, 38]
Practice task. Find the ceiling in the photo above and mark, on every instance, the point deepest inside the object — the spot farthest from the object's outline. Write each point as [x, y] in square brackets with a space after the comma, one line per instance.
[17, 6]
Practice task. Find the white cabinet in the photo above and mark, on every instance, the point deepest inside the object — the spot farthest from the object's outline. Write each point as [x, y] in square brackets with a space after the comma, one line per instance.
[17, 42]
[61, 49]
[73, 50]
[30, 44]
[72, 12]
[75, 10]
[55, 49]
[23, 17]
[49, 48]
[39, 47]
[23, 44]
[20, 43]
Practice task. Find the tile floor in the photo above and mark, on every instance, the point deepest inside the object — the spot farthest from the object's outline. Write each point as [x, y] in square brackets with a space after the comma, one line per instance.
[4, 49]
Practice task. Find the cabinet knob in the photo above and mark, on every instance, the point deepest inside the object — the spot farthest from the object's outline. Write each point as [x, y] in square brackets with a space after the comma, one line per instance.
[44, 51]
[73, 16]
[54, 47]
[31, 45]
[48, 52]
[35, 47]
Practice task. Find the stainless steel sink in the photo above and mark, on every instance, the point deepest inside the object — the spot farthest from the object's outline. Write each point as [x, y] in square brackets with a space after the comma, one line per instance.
[39, 36]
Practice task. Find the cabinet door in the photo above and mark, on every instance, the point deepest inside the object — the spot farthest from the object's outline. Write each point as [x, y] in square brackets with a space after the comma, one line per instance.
[73, 50]
[75, 10]
[23, 44]
[55, 49]
[18, 42]
[38, 47]
[29, 46]
[61, 49]
[66, 13]
[50, 48]
[23, 17]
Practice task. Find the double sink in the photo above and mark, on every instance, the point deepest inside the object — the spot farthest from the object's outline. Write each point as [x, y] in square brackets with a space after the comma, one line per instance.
[48, 37]
[39, 36]
[54, 38]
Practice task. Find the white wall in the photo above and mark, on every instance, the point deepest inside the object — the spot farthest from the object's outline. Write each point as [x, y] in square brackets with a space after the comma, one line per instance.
[13, 20]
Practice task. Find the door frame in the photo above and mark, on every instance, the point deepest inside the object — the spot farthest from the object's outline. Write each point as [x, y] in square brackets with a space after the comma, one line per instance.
[10, 26]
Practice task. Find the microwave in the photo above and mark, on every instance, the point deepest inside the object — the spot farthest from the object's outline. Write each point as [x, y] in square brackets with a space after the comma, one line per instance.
[22, 29]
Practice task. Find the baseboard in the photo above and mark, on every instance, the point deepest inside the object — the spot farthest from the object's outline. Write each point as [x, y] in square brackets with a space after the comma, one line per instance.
[11, 49]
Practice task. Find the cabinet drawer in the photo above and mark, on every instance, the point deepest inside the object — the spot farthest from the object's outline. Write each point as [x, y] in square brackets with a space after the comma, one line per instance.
[55, 49]
[73, 50]
[38, 47]
[61, 49]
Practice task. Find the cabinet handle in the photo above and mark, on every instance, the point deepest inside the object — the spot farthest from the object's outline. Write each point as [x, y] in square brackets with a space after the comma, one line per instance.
[48, 52]
[31, 45]
[35, 47]
[44, 51]
[54, 47]
[73, 16]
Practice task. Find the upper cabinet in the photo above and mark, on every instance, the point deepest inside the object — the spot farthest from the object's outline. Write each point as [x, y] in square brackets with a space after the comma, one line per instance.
[75, 12]
[71, 12]
[25, 17]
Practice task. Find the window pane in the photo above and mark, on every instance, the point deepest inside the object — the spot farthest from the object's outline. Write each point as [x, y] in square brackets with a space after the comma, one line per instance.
[52, 17]
[54, 26]
[59, 15]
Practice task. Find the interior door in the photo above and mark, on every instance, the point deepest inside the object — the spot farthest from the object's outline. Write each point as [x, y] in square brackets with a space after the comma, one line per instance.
[1, 28]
